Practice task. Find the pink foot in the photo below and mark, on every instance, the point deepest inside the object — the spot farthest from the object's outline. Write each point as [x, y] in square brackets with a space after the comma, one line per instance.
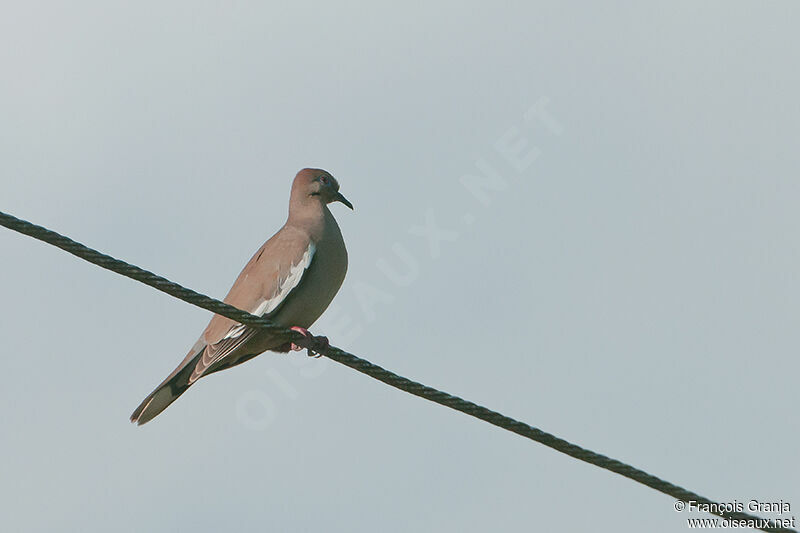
[316, 345]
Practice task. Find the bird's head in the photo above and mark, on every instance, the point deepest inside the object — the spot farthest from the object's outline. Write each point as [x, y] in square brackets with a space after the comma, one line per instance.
[319, 184]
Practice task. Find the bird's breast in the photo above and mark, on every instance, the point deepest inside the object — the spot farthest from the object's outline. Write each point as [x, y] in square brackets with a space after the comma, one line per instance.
[321, 282]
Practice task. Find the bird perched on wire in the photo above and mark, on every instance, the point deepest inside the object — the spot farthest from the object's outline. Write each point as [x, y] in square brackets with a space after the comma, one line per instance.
[290, 280]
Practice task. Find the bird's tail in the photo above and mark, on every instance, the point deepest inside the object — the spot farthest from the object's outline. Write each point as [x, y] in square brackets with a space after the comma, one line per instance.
[170, 389]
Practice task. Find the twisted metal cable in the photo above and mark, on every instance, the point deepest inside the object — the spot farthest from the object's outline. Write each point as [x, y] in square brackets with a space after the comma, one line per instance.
[379, 373]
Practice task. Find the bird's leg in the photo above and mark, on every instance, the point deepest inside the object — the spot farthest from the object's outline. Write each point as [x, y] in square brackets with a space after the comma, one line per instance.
[316, 345]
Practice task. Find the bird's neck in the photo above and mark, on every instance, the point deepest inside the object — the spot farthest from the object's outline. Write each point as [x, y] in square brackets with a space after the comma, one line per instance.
[309, 213]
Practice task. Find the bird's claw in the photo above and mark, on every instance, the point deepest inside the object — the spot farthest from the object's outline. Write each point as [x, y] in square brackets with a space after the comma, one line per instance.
[316, 345]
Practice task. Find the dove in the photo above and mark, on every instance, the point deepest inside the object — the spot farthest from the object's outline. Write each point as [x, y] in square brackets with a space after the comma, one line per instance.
[290, 281]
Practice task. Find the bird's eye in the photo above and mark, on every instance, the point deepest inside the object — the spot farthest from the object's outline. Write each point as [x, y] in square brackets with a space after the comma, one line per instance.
[324, 180]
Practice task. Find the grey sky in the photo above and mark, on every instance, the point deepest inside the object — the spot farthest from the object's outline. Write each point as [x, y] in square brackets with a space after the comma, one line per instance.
[631, 286]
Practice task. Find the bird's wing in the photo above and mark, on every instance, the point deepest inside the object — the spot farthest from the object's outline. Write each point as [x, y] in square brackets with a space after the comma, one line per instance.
[263, 286]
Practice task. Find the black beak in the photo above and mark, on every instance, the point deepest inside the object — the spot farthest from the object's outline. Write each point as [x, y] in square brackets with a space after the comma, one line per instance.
[340, 198]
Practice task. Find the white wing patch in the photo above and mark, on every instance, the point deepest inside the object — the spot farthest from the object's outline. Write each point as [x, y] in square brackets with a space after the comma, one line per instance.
[234, 332]
[285, 287]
